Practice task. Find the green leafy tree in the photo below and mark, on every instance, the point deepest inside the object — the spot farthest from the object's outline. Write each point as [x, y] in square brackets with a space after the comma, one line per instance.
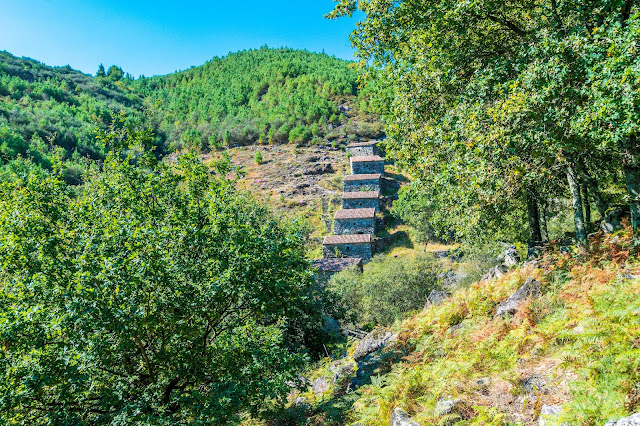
[158, 295]
[488, 102]
[258, 157]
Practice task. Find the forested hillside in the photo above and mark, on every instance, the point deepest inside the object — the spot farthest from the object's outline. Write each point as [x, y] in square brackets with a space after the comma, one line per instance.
[265, 95]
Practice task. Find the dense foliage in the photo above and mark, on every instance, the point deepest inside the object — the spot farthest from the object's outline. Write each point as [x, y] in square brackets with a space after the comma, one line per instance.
[499, 108]
[265, 95]
[387, 289]
[153, 294]
[269, 95]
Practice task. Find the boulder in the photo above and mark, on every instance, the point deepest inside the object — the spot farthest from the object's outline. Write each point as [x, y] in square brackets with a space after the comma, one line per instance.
[548, 413]
[320, 169]
[509, 257]
[320, 386]
[633, 420]
[401, 418]
[377, 339]
[613, 220]
[531, 288]
[447, 407]
[535, 385]
[341, 370]
[436, 297]
[495, 272]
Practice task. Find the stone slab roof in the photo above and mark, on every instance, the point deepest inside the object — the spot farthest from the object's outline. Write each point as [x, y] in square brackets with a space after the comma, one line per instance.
[347, 239]
[336, 265]
[366, 159]
[355, 214]
[372, 176]
[357, 144]
[360, 194]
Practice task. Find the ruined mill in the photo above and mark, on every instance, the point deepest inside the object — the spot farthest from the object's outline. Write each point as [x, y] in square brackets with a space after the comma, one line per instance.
[354, 225]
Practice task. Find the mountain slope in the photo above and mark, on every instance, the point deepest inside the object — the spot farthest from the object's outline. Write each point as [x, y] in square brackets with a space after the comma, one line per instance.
[268, 95]
[264, 95]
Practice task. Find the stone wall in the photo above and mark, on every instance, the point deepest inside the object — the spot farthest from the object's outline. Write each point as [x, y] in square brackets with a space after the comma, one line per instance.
[361, 250]
[361, 185]
[361, 203]
[354, 226]
[367, 167]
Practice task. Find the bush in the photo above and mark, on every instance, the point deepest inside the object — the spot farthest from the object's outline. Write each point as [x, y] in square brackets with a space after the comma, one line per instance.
[258, 157]
[388, 289]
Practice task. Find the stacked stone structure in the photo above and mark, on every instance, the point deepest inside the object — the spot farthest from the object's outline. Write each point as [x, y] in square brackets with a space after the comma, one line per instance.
[357, 246]
[362, 182]
[355, 225]
[361, 200]
[367, 164]
[354, 221]
[360, 149]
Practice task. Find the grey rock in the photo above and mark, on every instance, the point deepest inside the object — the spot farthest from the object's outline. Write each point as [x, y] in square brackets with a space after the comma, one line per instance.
[446, 407]
[633, 420]
[495, 272]
[531, 288]
[320, 385]
[340, 371]
[401, 418]
[535, 385]
[300, 401]
[510, 257]
[547, 414]
[377, 339]
[320, 169]
[436, 297]
[613, 220]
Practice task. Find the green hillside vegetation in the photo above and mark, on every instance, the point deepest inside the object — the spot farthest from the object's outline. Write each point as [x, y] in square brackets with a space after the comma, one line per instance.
[265, 95]
[256, 96]
[575, 345]
[152, 294]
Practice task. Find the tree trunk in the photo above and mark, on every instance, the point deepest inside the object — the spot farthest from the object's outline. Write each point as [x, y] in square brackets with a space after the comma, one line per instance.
[578, 217]
[544, 221]
[534, 217]
[631, 168]
[586, 205]
[592, 186]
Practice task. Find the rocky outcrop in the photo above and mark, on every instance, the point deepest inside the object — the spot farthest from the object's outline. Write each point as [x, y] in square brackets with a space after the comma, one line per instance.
[452, 407]
[377, 339]
[495, 272]
[531, 288]
[509, 257]
[436, 297]
[401, 418]
[613, 220]
[633, 420]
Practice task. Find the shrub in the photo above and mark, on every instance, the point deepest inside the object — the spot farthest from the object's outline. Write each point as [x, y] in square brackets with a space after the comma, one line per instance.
[389, 288]
[258, 157]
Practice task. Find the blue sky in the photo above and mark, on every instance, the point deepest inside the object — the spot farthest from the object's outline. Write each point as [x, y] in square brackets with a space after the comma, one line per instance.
[159, 37]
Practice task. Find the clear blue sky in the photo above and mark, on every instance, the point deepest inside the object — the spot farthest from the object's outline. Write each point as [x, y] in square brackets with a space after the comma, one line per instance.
[159, 37]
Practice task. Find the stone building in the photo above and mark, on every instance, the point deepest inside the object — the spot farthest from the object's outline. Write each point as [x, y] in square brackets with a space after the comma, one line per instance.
[354, 221]
[361, 200]
[360, 149]
[327, 267]
[367, 182]
[347, 246]
[367, 164]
